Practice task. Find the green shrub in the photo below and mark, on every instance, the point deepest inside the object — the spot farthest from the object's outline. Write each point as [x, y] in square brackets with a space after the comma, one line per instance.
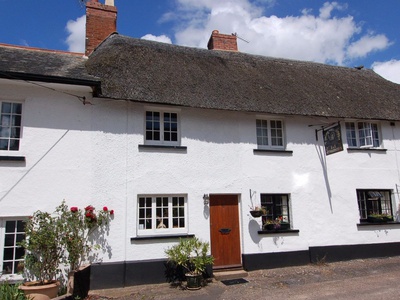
[11, 292]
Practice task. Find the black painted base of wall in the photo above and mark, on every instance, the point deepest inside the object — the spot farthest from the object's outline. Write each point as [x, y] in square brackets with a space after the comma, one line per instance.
[123, 274]
[253, 262]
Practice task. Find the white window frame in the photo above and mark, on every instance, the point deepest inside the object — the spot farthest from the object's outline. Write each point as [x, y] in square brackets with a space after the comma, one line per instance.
[162, 130]
[269, 138]
[363, 134]
[14, 277]
[156, 221]
[7, 151]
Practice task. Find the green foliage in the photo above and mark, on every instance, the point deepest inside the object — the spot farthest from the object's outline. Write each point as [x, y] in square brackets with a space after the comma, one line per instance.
[42, 243]
[62, 237]
[77, 227]
[191, 254]
[11, 292]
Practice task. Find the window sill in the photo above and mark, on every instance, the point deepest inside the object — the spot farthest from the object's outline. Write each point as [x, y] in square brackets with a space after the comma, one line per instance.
[366, 150]
[278, 231]
[183, 148]
[378, 224]
[257, 151]
[12, 158]
[157, 237]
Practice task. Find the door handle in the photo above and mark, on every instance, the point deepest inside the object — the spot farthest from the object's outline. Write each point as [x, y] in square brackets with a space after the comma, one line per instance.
[225, 230]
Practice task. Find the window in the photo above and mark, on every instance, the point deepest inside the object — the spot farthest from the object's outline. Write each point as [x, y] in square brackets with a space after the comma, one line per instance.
[162, 214]
[277, 206]
[13, 232]
[10, 126]
[269, 134]
[162, 128]
[374, 202]
[362, 135]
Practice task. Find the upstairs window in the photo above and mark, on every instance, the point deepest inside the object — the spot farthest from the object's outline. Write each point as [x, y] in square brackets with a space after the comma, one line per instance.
[374, 202]
[10, 126]
[164, 214]
[13, 232]
[269, 134]
[162, 128]
[362, 135]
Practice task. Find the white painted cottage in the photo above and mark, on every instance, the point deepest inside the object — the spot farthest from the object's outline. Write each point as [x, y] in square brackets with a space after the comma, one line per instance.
[182, 141]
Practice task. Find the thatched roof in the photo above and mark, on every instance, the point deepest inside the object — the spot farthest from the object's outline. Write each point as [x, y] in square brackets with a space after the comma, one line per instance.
[44, 65]
[152, 72]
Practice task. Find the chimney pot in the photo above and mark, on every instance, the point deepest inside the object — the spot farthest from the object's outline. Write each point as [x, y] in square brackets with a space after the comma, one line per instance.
[101, 21]
[220, 41]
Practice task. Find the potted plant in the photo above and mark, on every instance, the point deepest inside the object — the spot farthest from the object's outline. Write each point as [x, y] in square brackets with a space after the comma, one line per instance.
[78, 226]
[192, 255]
[379, 218]
[275, 224]
[257, 211]
[43, 255]
[59, 238]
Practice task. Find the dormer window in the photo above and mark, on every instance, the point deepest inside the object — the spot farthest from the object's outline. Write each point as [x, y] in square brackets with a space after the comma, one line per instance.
[162, 128]
[10, 125]
[270, 134]
[363, 135]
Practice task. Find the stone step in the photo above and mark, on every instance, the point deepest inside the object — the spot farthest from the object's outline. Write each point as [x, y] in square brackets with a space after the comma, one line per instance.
[229, 274]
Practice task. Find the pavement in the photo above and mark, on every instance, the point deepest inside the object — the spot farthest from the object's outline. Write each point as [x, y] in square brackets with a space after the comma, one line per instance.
[365, 279]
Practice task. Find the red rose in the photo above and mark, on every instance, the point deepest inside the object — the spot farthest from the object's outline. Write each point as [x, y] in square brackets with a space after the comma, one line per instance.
[111, 212]
[105, 208]
[74, 209]
[89, 208]
[88, 215]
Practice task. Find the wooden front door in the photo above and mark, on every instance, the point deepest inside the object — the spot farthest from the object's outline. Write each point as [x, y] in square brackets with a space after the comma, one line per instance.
[225, 231]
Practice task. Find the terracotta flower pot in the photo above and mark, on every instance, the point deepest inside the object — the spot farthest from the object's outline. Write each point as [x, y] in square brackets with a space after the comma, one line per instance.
[40, 292]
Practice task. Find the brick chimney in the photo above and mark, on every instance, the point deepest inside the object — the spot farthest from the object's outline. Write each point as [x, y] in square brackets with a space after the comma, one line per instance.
[101, 21]
[220, 41]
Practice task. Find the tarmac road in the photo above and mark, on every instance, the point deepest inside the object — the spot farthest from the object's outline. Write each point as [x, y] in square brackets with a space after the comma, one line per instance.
[357, 279]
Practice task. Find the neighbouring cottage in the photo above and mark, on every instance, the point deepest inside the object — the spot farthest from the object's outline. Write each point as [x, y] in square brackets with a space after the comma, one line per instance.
[183, 141]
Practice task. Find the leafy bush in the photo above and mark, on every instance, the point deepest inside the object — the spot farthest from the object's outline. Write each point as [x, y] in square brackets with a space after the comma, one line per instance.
[11, 292]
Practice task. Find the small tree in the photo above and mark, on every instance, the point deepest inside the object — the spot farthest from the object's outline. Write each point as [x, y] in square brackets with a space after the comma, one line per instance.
[42, 243]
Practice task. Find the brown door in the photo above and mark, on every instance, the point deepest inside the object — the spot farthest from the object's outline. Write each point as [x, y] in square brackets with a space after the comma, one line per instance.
[225, 231]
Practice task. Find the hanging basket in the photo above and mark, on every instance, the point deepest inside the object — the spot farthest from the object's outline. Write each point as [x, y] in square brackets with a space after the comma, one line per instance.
[256, 213]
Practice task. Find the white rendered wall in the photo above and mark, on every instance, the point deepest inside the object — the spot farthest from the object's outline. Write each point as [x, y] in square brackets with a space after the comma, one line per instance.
[88, 154]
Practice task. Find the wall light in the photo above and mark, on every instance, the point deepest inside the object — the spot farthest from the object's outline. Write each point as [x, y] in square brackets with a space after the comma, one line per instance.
[206, 199]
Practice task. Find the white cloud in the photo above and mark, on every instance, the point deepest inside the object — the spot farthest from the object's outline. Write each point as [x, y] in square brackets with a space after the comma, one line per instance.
[389, 70]
[76, 34]
[322, 38]
[368, 44]
[160, 38]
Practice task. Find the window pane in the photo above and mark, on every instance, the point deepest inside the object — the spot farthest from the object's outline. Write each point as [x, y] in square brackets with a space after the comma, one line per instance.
[5, 107]
[20, 226]
[262, 132]
[8, 253]
[351, 134]
[14, 145]
[7, 267]
[152, 126]
[17, 108]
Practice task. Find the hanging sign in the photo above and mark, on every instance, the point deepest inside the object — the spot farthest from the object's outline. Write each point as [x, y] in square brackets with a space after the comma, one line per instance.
[333, 139]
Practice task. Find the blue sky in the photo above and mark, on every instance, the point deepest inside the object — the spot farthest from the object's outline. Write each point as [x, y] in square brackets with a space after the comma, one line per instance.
[347, 33]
